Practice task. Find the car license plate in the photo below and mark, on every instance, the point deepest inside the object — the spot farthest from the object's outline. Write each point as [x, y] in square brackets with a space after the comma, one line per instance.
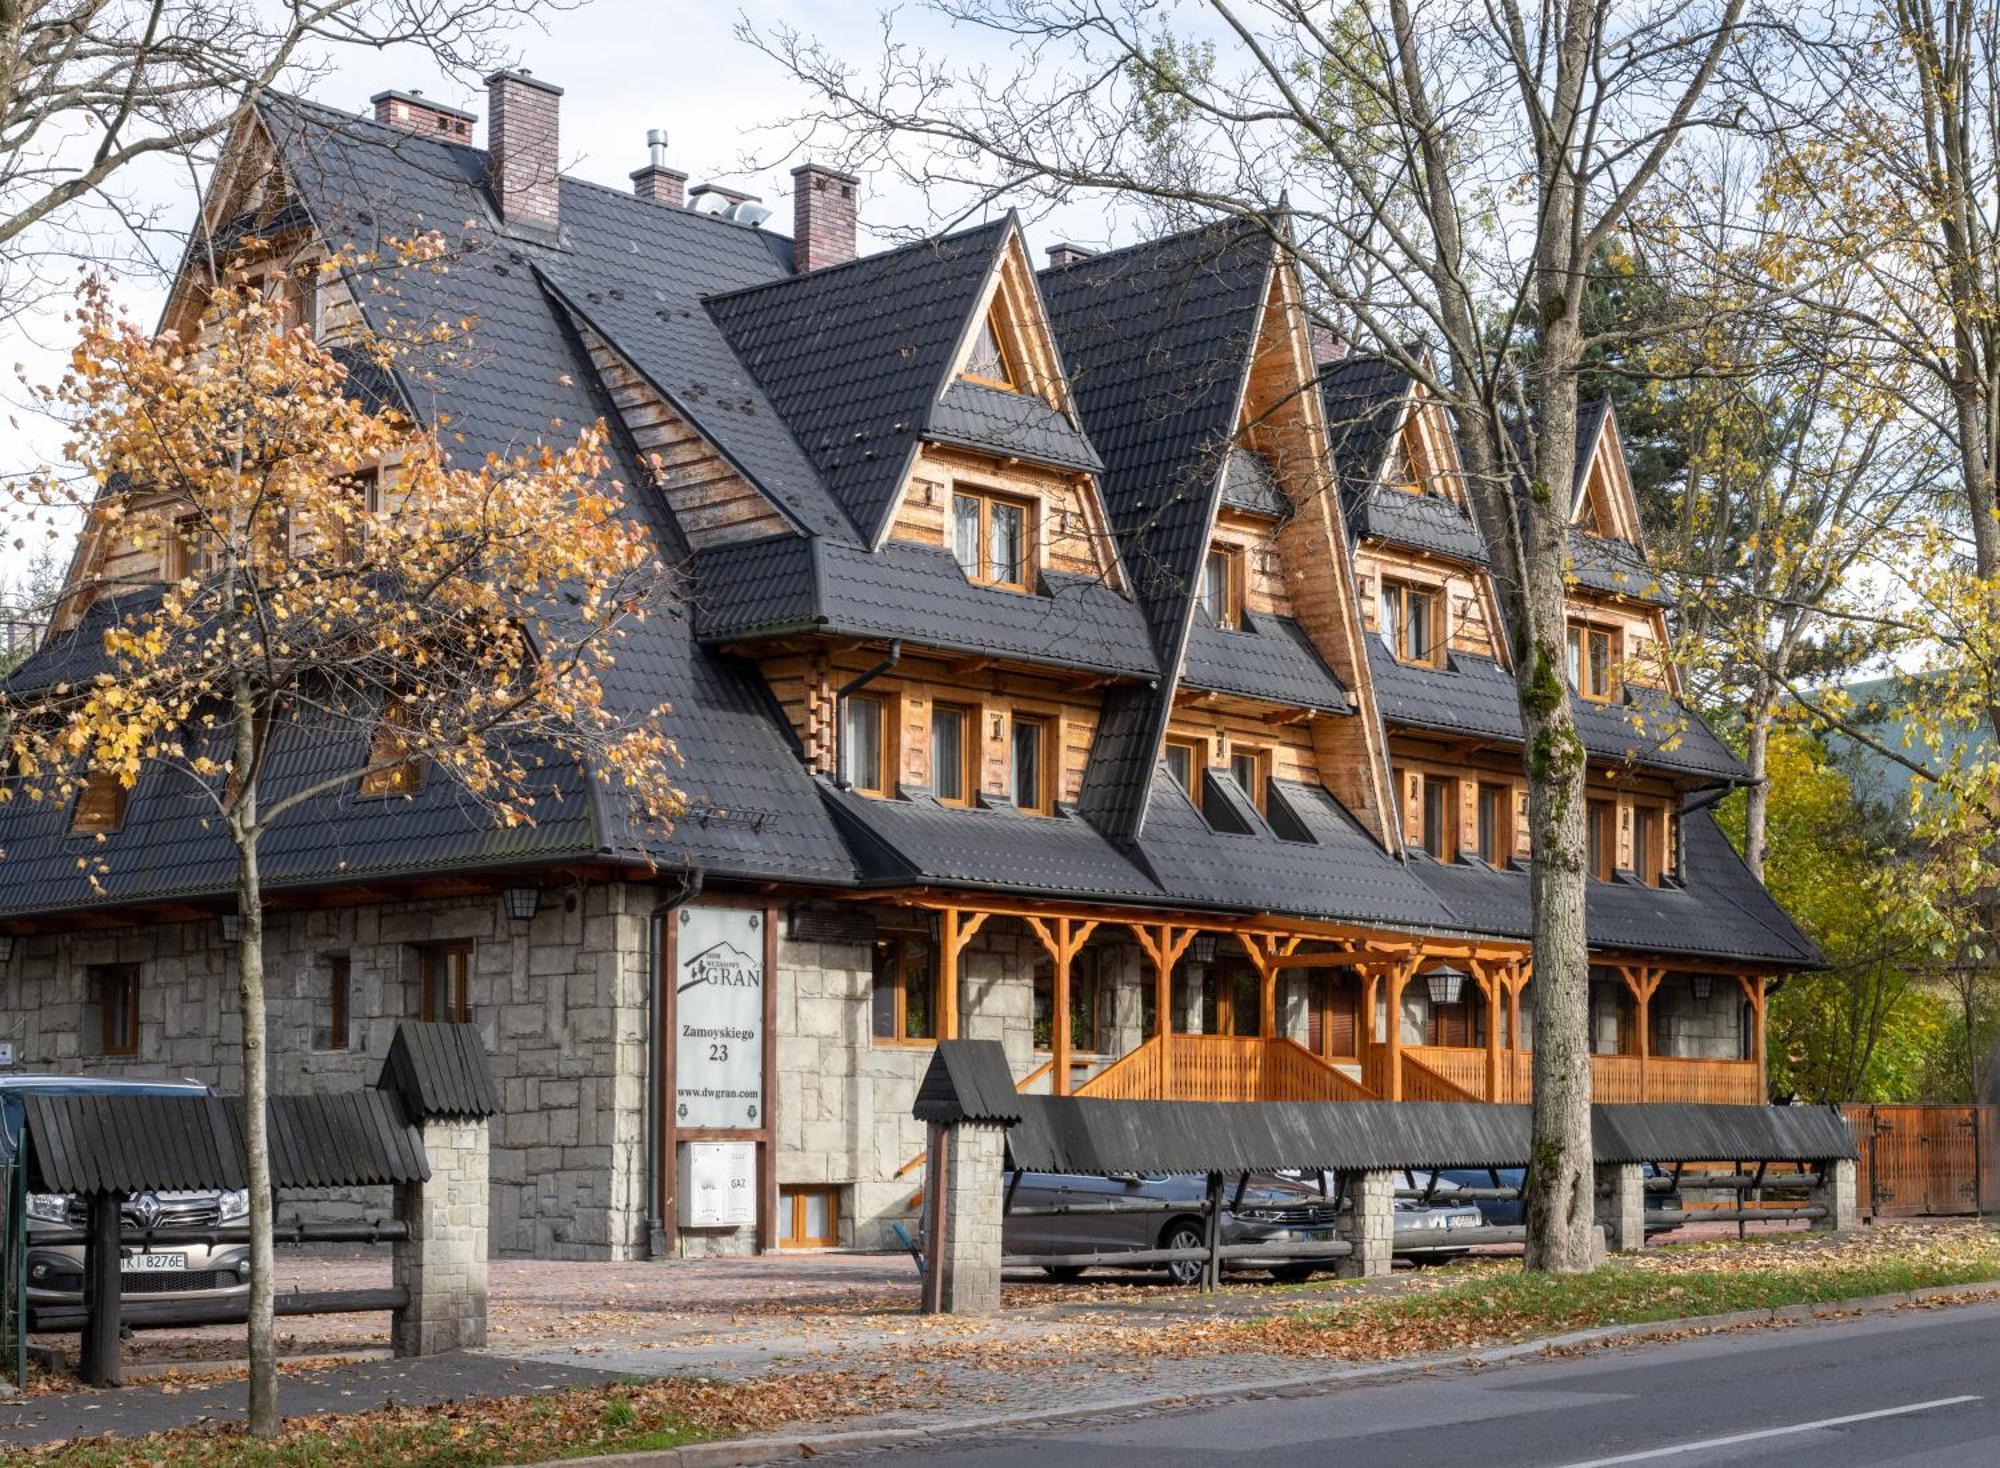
[1312, 1235]
[1451, 1223]
[152, 1263]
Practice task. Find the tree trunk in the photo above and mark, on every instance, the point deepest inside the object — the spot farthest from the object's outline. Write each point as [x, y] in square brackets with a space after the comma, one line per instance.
[243, 822]
[1757, 798]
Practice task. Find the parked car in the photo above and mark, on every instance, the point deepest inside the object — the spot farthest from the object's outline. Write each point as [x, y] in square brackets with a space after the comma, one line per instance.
[1273, 1208]
[1507, 1212]
[163, 1271]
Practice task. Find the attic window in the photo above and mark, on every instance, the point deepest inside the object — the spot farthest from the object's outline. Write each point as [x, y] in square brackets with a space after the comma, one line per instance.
[992, 538]
[987, 363]
[1222, 587]
[1593, 657]
[392, 770]
[1412, 623]
[100, 805]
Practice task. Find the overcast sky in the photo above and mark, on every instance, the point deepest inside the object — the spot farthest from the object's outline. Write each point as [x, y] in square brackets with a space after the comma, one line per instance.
[625, 66]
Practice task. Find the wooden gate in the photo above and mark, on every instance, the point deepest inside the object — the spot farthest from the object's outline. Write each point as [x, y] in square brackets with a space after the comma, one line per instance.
[1927, 1160]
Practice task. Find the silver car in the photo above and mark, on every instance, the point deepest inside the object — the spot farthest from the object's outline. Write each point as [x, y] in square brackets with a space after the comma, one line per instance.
[168, 1271]
[1270, 1208]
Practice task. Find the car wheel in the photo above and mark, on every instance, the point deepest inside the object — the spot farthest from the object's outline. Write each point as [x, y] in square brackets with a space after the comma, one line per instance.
[1293, 1273]
[1063, 1273]
[1184, 1233]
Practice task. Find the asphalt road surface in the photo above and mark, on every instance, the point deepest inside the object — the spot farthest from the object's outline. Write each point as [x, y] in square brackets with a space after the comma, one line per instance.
[1918, 1387]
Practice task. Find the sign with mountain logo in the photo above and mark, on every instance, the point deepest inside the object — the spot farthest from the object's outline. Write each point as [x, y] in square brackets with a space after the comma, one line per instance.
[719, 1018]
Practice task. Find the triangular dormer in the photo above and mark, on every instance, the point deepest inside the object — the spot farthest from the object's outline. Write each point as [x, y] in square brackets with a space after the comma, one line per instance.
[1604, 504]
[1001, 438]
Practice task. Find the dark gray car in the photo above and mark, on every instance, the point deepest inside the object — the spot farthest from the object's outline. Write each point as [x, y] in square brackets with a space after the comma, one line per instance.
[166, 1271]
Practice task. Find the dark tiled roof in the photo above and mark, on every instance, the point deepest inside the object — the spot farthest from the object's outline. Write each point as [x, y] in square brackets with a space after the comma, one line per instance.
[1270, 658]
[1602, 564]
[785, 584]
[1364, 398]
[1476, 696]
[912, 840]
[1019, 425]
[1342, 873]
[1424, 522]
[1157, 340]
[1720, 912]
[854, 355]
[1248, 484]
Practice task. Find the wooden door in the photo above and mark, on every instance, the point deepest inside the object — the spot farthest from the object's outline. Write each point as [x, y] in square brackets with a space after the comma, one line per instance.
[1333, 1015]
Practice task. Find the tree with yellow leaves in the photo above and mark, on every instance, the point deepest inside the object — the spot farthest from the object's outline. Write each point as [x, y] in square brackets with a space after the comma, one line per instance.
[333, 578]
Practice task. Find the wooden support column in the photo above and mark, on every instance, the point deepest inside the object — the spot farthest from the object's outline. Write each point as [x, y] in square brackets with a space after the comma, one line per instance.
[1753, 990]
[100, 1360]
[1267, 953]
[1399, 979]
[1642, 982]
[1488, 976]
[956, 928]
[1164, 945]
[1517, 980]
[1062, 941]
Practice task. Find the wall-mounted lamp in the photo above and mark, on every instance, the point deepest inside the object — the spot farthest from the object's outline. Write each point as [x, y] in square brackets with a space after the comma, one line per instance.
[1703, 985]
[1446, 983]
[6, 947]
[230, 925]
[1204, 948]
[522, 903]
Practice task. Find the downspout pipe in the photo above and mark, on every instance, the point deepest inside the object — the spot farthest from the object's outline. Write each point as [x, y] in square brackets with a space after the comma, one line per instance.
[852, 686]
[655, 1110]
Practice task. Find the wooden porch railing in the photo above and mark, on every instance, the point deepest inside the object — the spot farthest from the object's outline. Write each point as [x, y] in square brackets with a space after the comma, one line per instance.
[1613, 1077]
[1422, 1083]
[1225, 1068]
[1462, 1068]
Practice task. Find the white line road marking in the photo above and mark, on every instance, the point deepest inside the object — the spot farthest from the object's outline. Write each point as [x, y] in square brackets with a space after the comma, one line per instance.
[1751, 1437]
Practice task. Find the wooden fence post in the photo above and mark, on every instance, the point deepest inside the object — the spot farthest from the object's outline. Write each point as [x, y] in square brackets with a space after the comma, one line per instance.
[102, 1290]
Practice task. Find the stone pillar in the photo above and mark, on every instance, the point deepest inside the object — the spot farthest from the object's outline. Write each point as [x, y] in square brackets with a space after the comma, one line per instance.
[1621, 1205]
[443, 1262]
[967, 1251]
[1369, 1225]
[1838, 1196]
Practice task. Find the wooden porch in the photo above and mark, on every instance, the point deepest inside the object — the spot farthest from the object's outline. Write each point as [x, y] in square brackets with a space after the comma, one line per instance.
[1270, 1066]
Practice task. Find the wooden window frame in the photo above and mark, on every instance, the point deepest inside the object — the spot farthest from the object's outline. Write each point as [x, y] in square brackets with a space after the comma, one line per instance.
[1030, 509]
[382, 780]
[1229, 618]
[457, 1007]
[1008, 383]
[1502, 796]
[792, 1206]
[346, 539]
[1446, 852]
[1581, 637]
[968, 753]
[94, 789]
[1649, 857]
[1043, 801]
[1396, 628]
[880, 782]
[1196, 751]
[900, 945]
[1601, 817]
[1259, 788]
[125, 976]
[339, 997]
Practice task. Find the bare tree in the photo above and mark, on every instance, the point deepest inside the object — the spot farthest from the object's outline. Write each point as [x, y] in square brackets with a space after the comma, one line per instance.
[1443, 171]
[91, 88]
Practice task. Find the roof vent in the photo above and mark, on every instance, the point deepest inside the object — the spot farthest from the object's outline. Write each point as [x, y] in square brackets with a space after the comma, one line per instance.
[1066, 253]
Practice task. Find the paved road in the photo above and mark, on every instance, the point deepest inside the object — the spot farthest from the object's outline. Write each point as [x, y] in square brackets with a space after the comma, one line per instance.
[1916, 1388]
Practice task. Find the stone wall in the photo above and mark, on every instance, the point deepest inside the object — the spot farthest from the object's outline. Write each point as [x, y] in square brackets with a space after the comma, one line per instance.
[559, 1002]
[1698, 1029]
[443, 1262]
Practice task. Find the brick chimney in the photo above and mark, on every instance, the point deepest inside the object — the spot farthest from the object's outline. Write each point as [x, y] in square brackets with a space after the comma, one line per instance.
[522, 158]
[1327, 346]
[415, 113]
[1067, 254]
[823, 217]
[656, 183]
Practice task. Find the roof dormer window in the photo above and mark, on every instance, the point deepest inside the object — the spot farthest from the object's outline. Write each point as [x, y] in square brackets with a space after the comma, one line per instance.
[992, 538]
[987, 362]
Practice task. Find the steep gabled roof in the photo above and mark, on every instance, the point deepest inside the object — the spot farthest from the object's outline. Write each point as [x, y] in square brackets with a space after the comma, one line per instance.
[1367, 399]
[1158, 339]
[853, 357]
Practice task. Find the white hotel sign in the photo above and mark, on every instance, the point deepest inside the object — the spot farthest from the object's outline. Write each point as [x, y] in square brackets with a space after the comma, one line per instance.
[719, 1018]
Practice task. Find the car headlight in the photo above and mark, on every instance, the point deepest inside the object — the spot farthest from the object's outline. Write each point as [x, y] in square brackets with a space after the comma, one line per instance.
[235, 1205]
[49, 1207]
